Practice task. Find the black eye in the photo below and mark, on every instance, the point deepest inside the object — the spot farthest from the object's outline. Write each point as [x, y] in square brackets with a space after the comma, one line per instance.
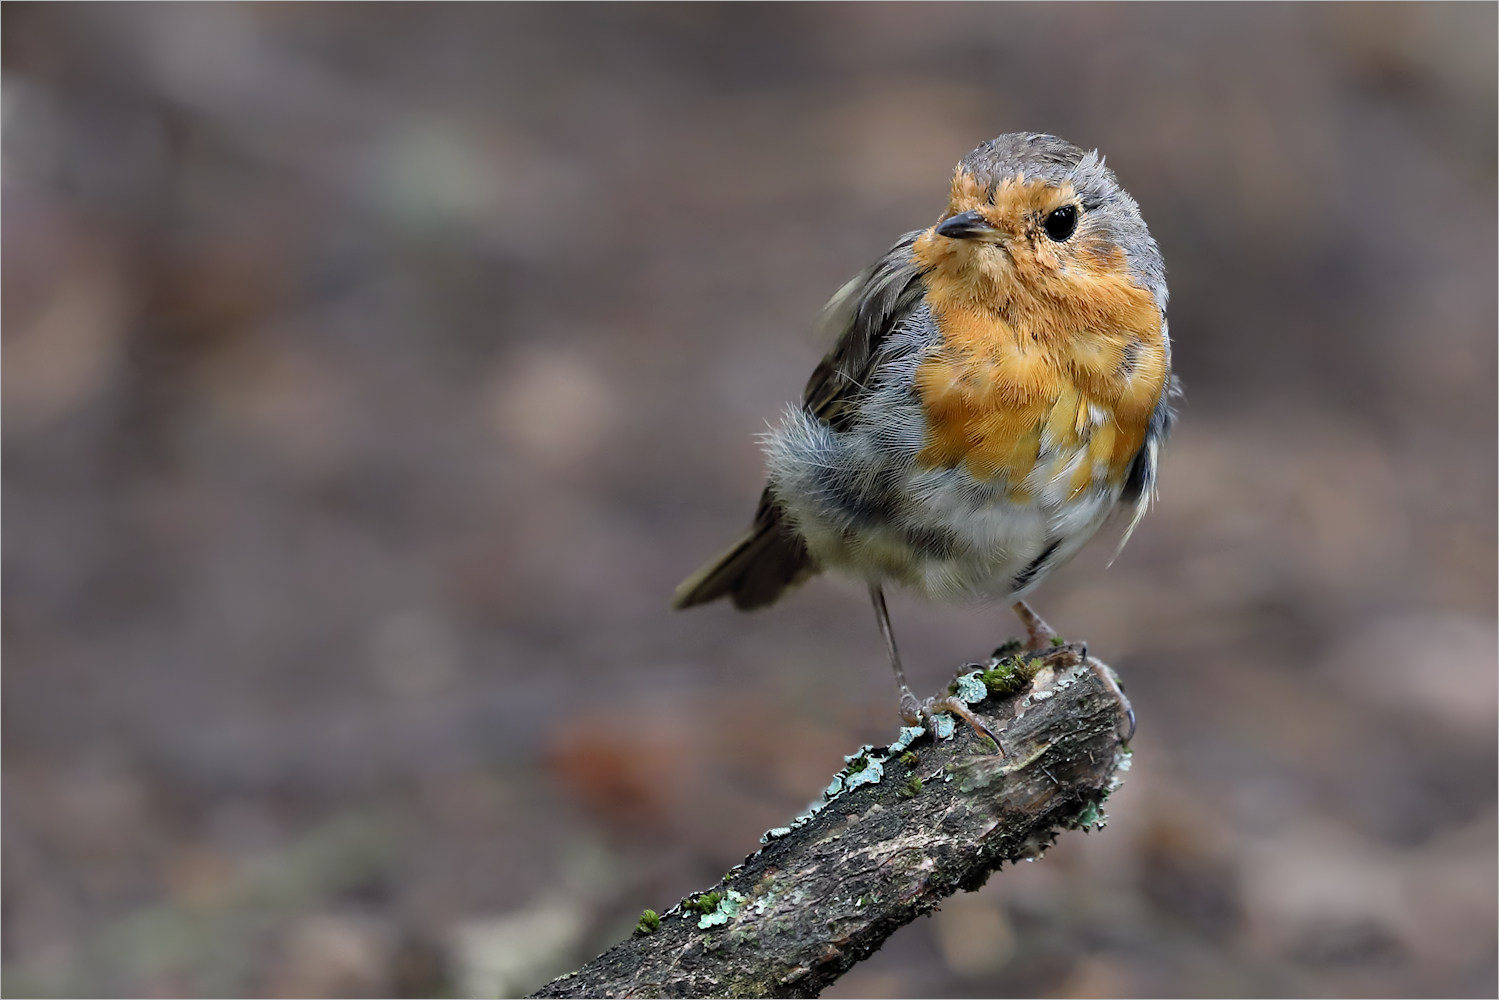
[1061, 223]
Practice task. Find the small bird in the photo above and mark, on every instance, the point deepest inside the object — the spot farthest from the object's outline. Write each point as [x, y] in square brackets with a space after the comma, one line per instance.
[1000, 383]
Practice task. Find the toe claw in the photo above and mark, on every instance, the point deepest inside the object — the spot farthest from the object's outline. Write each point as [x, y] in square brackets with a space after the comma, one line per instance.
[1111, 680]
[955, 707]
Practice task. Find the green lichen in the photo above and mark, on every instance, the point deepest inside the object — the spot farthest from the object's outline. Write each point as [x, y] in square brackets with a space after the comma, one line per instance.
[1057, 640]
[1002, 679]
[1009, 675]
[705, 903]
[649, 921]
[909, 759]
[1091, 816]
[910, 789]
[727, 906]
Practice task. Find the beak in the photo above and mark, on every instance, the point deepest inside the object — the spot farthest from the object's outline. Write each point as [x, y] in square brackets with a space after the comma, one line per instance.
[965, 226]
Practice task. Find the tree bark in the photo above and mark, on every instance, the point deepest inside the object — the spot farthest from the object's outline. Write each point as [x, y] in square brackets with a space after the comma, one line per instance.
[817, 899]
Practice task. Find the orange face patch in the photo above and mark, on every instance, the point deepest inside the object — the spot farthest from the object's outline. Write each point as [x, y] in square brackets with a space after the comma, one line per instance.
[1045, 343]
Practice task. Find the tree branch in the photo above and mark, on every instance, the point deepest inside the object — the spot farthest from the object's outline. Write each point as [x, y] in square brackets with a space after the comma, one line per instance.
[916, 825]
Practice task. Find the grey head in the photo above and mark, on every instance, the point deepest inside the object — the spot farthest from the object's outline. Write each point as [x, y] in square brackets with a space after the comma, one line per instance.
[1107, 206]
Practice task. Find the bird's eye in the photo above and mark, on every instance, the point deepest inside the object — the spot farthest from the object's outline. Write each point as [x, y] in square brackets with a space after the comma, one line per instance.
[1061, 223]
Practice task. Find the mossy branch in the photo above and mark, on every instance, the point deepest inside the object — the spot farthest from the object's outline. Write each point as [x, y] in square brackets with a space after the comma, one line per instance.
[904, 828]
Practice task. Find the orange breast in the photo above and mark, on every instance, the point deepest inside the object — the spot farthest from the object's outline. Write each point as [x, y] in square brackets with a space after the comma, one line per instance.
[1021, 375]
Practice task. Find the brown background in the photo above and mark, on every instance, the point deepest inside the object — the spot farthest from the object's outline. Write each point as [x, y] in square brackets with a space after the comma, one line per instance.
[372, 374]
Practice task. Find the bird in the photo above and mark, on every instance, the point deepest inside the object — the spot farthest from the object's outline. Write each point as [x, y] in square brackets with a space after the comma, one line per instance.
[999, 384]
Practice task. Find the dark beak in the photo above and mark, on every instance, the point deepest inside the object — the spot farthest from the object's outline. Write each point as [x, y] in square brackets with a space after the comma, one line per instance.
[965, 226]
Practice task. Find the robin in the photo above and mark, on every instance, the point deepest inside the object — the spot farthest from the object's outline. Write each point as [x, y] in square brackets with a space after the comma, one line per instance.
[1000, 383]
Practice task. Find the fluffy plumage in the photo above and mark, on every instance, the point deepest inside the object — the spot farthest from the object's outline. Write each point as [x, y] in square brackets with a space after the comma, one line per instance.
[993, 394]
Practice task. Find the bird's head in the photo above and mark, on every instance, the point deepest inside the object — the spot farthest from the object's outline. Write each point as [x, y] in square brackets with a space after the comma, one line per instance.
[1030, 216]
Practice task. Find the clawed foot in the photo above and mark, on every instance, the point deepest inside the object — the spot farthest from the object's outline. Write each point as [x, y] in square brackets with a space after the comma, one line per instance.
[1111, 681]
[919, 713]
[913, 711]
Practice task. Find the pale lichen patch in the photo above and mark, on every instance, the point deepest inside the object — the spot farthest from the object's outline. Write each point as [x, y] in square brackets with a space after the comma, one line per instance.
[1123, 758]
[970, 688]
[862, 767]
[870, 774]
[728, 906]
[908, 735]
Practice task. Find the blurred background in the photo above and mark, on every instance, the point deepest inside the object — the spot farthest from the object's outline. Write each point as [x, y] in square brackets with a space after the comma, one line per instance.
[373, 373]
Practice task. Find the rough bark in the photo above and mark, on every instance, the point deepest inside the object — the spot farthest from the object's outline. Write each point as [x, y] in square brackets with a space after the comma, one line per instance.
[812, 902]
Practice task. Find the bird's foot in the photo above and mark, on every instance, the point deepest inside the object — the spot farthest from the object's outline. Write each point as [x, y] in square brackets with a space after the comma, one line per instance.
[1111, 681]
[915, 712]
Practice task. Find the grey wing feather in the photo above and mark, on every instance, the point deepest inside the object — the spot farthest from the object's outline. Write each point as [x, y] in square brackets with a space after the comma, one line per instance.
[771, 557]
[862, 313]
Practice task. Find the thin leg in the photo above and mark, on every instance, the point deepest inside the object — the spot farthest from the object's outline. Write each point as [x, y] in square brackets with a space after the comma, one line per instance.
[912, 711]
[910, 708]
[1038, 634]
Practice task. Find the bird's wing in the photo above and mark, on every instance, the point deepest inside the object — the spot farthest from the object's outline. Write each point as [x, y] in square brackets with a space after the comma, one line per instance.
[1139, 482]
[771, 556]
[861, 315]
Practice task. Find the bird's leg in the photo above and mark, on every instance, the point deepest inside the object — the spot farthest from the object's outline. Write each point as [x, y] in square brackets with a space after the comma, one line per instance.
[910, 708]
[1038, 634]
[914, 712]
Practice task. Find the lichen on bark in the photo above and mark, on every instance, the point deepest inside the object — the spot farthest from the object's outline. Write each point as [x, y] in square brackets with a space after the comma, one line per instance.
[820, 897]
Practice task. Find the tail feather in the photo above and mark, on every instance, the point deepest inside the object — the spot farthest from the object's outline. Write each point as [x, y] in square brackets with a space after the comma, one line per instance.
[769, 559]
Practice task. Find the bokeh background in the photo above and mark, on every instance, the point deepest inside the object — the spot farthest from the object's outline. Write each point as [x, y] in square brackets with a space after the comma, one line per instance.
[373, 373]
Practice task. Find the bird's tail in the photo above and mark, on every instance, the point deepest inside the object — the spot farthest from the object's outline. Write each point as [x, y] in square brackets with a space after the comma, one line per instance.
[769, 559]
